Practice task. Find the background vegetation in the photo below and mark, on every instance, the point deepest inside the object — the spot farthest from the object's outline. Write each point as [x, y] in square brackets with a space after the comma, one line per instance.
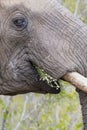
[45, 112]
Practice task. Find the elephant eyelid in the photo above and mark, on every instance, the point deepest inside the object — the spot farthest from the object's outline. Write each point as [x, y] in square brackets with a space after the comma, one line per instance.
[20, 23]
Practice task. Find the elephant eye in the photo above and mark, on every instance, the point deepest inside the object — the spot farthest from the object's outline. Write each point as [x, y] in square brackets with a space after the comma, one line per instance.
[20, 23]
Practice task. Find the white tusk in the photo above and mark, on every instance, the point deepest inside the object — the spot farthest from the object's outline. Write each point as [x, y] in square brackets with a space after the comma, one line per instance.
[77, 80]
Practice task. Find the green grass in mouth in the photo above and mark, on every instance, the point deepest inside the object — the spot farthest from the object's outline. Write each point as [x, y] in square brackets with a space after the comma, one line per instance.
[50, 80]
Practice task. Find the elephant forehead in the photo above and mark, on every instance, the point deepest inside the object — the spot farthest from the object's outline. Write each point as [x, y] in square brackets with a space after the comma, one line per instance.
[34, 5]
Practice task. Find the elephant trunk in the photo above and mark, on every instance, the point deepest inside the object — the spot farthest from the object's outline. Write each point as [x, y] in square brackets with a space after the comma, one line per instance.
[83, 102]
[62, 48]
[62, 43]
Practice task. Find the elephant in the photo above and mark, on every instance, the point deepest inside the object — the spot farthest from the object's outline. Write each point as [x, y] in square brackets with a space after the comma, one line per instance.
[17, 70]
[43, 34]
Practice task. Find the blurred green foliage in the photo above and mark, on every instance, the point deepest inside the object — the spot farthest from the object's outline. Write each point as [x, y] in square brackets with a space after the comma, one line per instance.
[45, 112]
[70, 4]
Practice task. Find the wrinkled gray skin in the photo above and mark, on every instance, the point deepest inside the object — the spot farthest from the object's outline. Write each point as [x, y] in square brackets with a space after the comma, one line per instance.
[51, 38]
[17, 73]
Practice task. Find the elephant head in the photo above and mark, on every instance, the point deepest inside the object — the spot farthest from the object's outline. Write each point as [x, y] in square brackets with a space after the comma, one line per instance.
[38, 33]
[18, 39]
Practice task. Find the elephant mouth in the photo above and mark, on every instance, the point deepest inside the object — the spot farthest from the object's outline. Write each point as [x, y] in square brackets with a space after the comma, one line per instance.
[52, 85]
